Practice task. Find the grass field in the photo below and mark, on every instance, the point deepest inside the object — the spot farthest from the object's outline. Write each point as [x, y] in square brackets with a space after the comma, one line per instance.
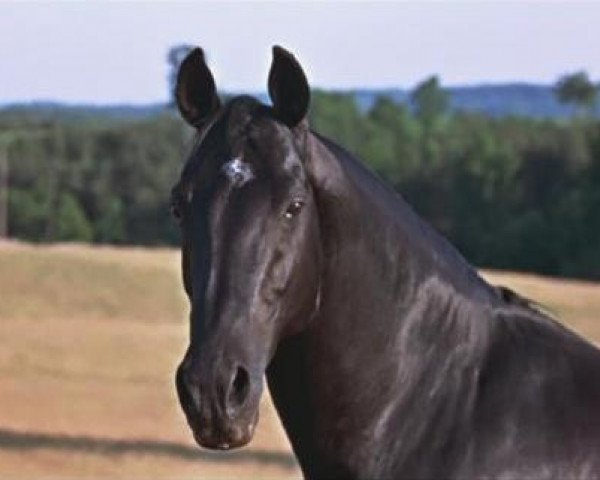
[89, 339]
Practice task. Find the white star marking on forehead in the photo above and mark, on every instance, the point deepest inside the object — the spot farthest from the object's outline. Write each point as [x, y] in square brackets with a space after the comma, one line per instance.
[238, 172]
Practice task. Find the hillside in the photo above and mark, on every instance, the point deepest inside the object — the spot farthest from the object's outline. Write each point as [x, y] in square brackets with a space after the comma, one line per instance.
[496, 100]
[499, 100]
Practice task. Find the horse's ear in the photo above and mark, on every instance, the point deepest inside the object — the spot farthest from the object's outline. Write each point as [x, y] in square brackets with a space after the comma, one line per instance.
[288, 88]
[196, 93]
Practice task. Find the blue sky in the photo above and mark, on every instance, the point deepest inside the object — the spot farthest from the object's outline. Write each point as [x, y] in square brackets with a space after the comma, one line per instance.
[111, 52]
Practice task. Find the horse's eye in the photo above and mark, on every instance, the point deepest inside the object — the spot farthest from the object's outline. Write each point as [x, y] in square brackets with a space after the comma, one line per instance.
[293, 209]
[176, 212]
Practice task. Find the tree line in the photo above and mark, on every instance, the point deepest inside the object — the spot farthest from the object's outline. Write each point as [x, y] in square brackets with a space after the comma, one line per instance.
[513, 192]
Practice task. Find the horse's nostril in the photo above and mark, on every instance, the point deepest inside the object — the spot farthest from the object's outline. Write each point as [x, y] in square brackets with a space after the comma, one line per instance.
[238, 391]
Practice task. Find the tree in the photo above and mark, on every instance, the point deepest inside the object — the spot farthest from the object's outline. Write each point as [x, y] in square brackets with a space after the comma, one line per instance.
[71, 222]
[336, 115]
[577, 89]
[110, 226]
[175, 56]
[430, 101]
[392, 141]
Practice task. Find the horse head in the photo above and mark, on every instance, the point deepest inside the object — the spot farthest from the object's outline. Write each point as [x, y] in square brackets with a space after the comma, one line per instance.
[251, 249]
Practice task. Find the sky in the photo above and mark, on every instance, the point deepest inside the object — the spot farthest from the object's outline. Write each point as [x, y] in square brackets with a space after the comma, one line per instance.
[115, 52]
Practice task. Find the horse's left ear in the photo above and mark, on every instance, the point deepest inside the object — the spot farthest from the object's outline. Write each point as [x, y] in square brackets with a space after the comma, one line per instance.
[195, 92]
[288, 88]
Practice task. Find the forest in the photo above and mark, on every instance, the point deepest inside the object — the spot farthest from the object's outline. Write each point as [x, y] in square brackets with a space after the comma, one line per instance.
[510, 192]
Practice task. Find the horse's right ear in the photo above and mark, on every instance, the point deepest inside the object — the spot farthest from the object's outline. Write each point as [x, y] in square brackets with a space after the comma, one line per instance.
[196, 93]
[288, 88]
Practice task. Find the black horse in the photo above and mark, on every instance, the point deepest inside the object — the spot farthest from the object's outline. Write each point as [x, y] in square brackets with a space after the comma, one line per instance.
[386, 354]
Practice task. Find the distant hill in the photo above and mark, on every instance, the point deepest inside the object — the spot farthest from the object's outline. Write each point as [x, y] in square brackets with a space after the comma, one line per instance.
[45, 111]
[519, 99]
[497, 100]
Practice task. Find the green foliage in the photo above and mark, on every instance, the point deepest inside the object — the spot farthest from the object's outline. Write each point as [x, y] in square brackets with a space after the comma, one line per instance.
[392, 140]
[71, 222]
[337, 116]
[27, 213]
[578, 89]
[110, 227]
[510, 192]
[430, 101]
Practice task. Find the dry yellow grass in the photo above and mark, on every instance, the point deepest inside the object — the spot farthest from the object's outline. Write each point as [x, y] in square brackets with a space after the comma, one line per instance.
[89, 339]
[78, 282]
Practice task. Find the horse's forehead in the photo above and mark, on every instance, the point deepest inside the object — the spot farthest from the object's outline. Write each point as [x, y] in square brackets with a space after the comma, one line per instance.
[237, 171]
[228, 155]
[256, 142]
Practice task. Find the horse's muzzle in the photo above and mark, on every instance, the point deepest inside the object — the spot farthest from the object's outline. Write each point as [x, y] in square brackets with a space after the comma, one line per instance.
[224, 414]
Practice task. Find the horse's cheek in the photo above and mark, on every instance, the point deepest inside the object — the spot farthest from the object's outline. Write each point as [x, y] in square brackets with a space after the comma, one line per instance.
[278, 274]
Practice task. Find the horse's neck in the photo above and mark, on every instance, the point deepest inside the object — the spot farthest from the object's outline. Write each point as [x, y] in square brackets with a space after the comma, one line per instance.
[363, 217]
[388, 315]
